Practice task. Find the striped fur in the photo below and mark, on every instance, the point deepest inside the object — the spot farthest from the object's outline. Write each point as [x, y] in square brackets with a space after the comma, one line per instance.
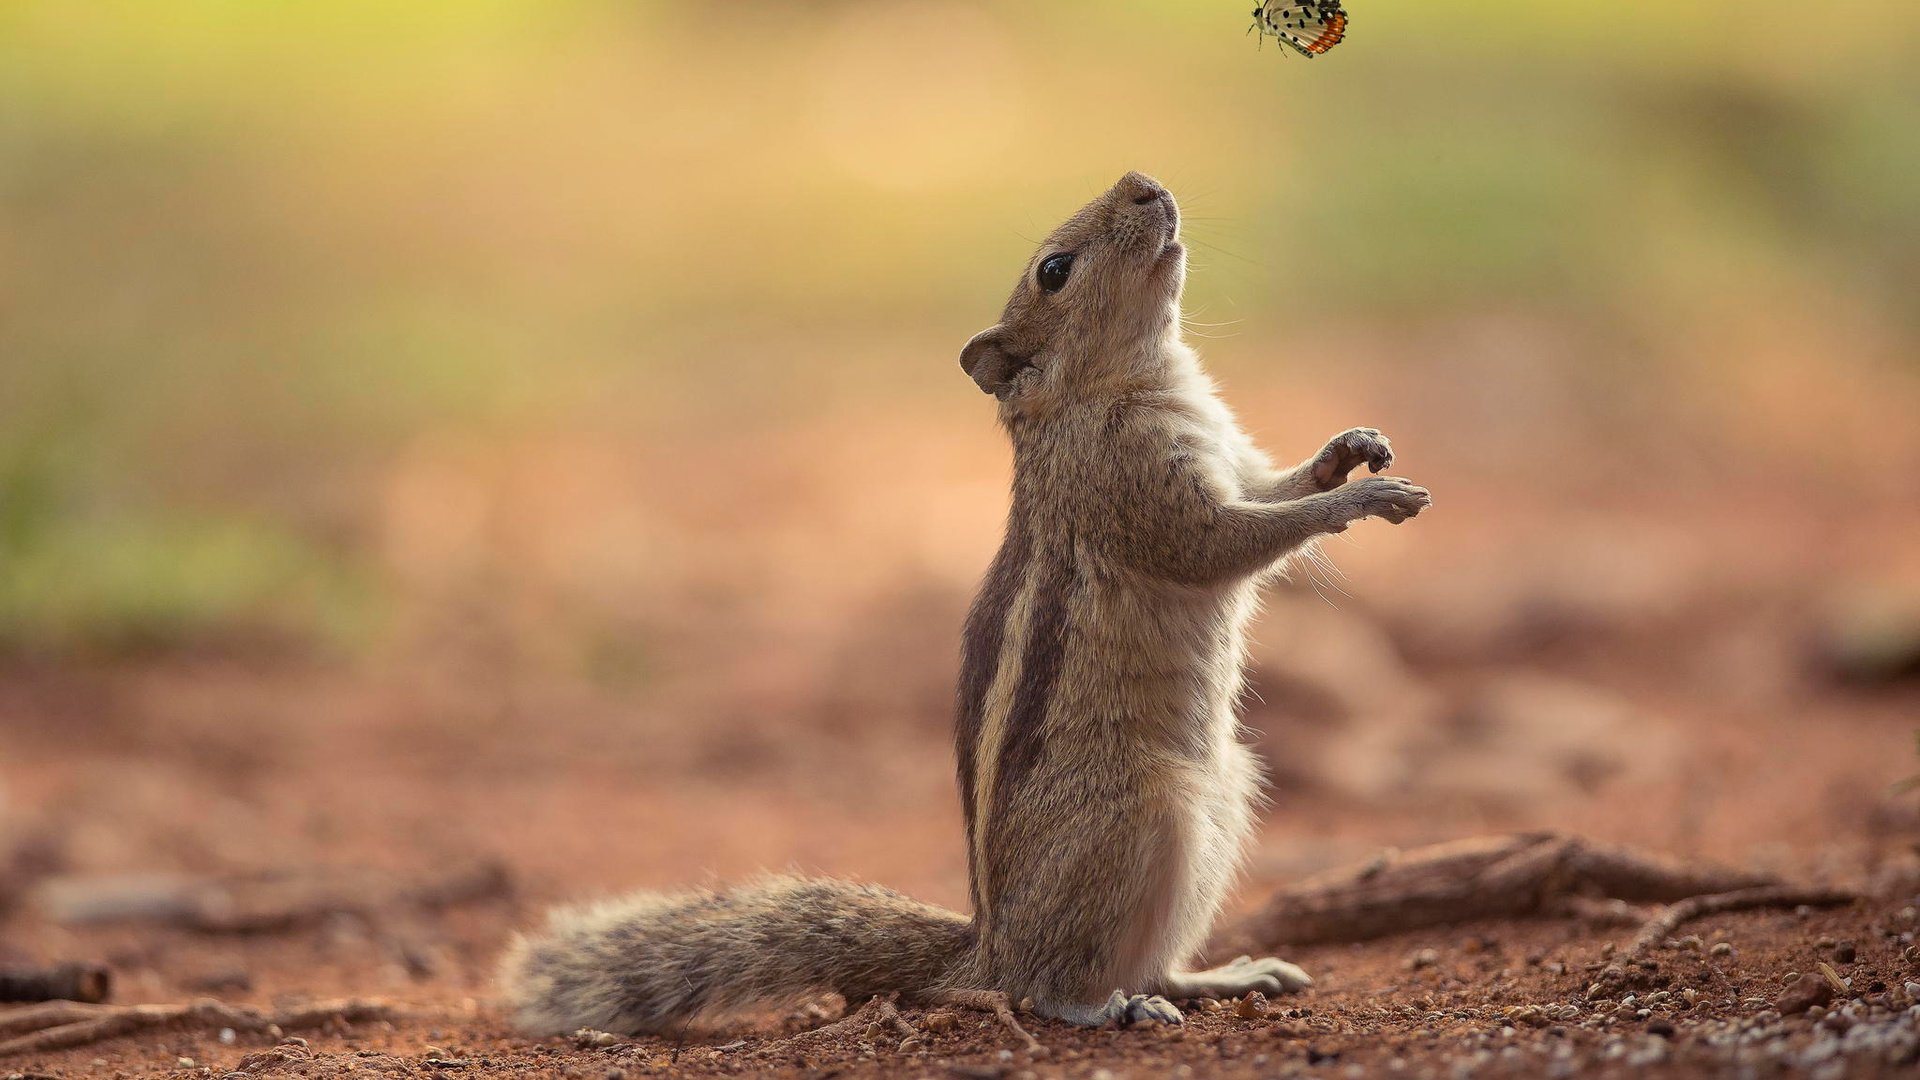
[1107, 795]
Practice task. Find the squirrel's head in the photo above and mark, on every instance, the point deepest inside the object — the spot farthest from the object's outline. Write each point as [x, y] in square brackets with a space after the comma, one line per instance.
[1094, 306]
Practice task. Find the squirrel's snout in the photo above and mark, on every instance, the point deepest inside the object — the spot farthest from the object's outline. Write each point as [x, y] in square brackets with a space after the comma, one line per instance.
[1139, 199]
[1140, 189]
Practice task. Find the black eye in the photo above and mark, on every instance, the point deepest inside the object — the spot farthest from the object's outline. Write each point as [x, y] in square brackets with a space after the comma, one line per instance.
[1053, 272]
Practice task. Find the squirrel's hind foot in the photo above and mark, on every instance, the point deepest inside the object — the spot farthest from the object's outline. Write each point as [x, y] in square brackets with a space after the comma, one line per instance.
[1268, 975]
[1122, 1010]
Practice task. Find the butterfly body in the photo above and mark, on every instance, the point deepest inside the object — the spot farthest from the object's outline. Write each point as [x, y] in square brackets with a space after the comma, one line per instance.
[1309, 27]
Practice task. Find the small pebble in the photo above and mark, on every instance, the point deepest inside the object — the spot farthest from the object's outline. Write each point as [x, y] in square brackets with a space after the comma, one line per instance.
[1845, 953]
[184, 1063]
[1810, 991]
[1251, 1007]
[588, 1037]
[1721, 948]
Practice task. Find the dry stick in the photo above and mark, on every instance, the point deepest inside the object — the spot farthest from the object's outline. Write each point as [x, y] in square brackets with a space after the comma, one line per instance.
[1487, 877]
[60, 1025]
[877, 1010]
[72, 982]
[1597, 912]
[1662, 926]
[991, 1001]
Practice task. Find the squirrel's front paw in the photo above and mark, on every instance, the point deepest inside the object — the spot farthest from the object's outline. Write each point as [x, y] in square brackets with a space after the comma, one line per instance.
[1348, 451]
[1387, 497]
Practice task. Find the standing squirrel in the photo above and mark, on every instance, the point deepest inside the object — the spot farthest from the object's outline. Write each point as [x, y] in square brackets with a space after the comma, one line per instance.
[1108, 797]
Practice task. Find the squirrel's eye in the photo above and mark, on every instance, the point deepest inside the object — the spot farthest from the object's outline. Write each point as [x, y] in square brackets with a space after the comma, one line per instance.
[1053, 272]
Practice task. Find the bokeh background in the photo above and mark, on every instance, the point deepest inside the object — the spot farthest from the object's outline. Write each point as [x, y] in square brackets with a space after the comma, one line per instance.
[533, 430]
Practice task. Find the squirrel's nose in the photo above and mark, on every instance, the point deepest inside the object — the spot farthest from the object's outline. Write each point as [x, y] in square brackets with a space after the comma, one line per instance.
[1140, 189]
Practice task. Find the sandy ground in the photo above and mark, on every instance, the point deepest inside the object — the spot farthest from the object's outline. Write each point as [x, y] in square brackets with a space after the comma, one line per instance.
[1644, 678]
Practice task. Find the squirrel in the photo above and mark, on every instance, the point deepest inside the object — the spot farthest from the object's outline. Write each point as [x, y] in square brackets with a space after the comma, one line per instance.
[1108, 798]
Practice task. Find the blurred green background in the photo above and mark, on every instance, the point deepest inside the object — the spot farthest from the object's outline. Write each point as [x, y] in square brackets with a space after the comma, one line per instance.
[324, 323]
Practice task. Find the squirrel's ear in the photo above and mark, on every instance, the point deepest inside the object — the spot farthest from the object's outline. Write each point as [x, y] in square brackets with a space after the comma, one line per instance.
[987, 360]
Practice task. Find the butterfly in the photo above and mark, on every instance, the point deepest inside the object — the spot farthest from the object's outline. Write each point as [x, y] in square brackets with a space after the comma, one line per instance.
[1310, 27]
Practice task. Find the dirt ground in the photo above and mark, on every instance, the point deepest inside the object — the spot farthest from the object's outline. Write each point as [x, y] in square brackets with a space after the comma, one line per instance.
[1642, 677]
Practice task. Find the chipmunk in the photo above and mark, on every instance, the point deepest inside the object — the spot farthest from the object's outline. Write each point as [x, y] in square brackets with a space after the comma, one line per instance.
[1107, 795]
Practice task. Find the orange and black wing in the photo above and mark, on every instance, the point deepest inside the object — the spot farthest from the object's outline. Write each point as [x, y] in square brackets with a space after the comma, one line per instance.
[1310, 27]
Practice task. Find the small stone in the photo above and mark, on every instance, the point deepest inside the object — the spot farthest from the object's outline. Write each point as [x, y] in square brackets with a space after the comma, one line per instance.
[1809, 991]
[1527, 1015]
[185, 1063]
[1720, 948]
[911, 1045]
[615, 1072]
[941, 1021]
[1662, 1028]
[1425, 958]
[587, 1038]
[1845, 953]
[1251, 1007]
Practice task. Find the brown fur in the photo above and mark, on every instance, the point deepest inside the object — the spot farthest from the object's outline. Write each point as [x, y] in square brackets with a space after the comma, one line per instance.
[1107, 794]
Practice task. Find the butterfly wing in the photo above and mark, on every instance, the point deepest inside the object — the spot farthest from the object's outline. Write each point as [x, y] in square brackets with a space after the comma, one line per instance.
[1310, 27]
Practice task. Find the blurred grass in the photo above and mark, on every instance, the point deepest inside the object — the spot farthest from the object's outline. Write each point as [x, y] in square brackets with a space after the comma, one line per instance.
[251, 253]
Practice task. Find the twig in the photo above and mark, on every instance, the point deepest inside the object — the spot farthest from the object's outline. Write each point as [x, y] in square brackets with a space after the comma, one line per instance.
[1597, 912]
[1491, 877]
[73, 982]
[1670, 918]
[997, 1003]
[60, 1025]
[878, 1011]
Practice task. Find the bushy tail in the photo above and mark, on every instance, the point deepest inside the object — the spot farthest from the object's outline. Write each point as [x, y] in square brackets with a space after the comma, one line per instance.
[651, 962]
